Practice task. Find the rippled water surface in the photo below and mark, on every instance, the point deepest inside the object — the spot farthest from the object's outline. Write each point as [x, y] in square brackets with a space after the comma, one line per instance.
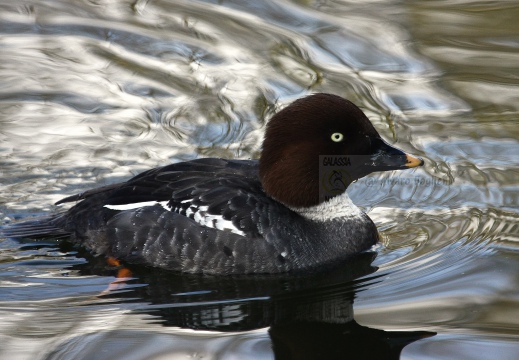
[92, 92]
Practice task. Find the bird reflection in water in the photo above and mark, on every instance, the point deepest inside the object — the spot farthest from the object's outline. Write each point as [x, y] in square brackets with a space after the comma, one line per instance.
[309, 316]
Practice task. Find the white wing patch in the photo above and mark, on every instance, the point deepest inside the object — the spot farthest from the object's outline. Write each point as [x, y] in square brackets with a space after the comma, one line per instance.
[199, 214]
[138, 205]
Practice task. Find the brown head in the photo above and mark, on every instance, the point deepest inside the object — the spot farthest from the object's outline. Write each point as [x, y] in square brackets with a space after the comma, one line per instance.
[317, 127]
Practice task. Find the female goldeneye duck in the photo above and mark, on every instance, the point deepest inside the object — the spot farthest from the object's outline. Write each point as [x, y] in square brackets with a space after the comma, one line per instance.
[286, 212]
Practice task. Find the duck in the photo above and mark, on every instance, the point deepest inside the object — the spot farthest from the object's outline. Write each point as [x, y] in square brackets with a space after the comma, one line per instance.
[286, 212]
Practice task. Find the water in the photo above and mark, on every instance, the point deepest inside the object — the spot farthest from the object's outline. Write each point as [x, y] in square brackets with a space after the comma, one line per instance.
[93, 92]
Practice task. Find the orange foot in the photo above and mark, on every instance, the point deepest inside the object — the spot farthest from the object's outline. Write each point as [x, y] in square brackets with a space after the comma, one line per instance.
[123, 274]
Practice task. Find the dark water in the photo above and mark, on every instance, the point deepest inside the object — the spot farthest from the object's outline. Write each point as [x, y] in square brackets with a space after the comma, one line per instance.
[95, 91]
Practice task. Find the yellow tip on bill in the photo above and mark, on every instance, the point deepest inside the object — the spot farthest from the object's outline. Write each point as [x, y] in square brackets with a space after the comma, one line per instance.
[413, 161]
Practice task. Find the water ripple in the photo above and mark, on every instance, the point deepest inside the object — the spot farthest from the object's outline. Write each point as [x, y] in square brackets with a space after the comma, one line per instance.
[93, 92]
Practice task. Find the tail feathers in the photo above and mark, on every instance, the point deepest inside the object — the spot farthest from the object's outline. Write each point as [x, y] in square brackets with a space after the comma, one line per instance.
[41, 227]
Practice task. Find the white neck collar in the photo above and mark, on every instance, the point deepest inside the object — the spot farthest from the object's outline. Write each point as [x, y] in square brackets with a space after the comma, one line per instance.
[337, 207]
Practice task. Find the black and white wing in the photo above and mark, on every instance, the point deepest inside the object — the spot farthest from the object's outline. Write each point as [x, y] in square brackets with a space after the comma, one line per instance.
[194, 215]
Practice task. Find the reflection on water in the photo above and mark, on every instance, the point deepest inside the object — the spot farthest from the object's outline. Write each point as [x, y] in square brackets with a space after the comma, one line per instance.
[93, 92]
[307, 317]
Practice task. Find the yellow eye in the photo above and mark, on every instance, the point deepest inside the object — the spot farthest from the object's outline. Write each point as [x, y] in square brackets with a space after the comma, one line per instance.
[337, 137]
